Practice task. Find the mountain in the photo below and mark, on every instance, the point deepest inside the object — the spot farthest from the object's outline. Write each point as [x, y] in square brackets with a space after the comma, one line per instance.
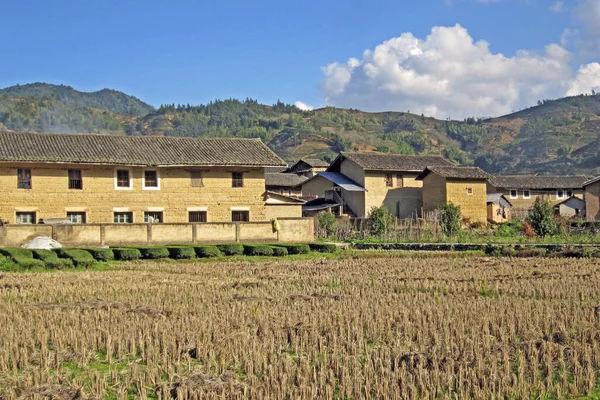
[554, 137]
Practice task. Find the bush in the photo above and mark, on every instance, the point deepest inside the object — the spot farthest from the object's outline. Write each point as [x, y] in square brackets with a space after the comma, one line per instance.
[323, 247]
[232, 249]
[450, 219]
[102, 254]
[80, 258]
[207, 251]
[153, 253]
[44, 255]
[296, 248]
[326, 221]
[16, 252]
[258, 250]
[127, 254]
[181, 252]
[7, 264]
[381, 220]
[59, 263]
[541, 218]
[509, 229]
[22, 257]
[279, 251]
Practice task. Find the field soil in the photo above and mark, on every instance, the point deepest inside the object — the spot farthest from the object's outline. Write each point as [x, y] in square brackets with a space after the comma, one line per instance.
[383, 327]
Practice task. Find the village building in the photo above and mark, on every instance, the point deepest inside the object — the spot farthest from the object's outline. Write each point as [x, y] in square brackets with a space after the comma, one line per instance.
[573, 207]
[287, 184]
[592, 198]
[308, 167]
[278, 205]
[499, 209]
[361, 181]
[461, 186]
[119, 179]
[523, 190]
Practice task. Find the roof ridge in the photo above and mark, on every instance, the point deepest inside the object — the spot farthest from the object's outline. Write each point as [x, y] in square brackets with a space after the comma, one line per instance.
[94, 134]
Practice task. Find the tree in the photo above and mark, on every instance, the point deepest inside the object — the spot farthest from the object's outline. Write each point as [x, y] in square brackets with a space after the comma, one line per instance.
[326, 221]
[450, 219]
[541, 218]
[381, 220]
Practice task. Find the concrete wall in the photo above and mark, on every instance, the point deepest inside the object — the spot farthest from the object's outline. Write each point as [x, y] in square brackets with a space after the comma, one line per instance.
[434, 192]
[472, 206]
[291, 230]
[592, 201]
[50, 196]
[317, 187]
[283, 211]
[353, 171]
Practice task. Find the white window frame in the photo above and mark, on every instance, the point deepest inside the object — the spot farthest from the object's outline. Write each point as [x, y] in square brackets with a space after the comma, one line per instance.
[510, 193]
[528, 196]
[567, 192]
[124, 212]
[564, 192]
[84, 219]
[469, 191]
[117, 187]
[33, 221]
[157, 187]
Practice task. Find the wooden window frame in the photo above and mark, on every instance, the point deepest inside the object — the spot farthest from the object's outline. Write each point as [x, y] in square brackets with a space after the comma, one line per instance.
[203, 219]
[237, 182]
[130, 175]
[75, 183]
[24, 183]
[144, 180]
[238, 213]
[389, 180]
[198, 180]
[399, 180]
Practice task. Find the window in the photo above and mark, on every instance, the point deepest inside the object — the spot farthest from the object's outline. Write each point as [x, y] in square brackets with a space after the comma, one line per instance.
[240, 216]
[123, 179]
[153, 217]
[514, 194]
[151, 180]
[123, 218]
[76, 217]
[569, 192]
[196, 179]
[469, 190]
[560, 194]
[526, 194]
[75, 181]
[25, 218]
[24, 177]
[197, 216]
[237, 179]
[399, 181]
[389, 180]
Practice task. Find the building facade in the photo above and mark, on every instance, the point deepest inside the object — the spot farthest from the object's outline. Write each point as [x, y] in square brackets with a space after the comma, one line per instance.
[592, 198]
[308, 167]
[386, 180]
[117, 179]
[461, 186]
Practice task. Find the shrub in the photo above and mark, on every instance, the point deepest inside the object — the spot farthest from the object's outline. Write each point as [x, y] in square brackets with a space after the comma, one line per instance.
[541, 218]
[381, 220]
[22, 257]
[232, 249]
[59, 263]
[509, 229]
[127, 254]
[102, 254]
[258, 250]
[450, 219]
[80, 257]
[181, 252]
[279, 251]
[207, 251]
[16, 252]
[323, 247]
[153, 253]
[7, 264]
[44, 255]
[326, 221]
[296, 248]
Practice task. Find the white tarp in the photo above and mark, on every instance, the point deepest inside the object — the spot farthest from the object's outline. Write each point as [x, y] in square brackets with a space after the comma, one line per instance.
[43, 243]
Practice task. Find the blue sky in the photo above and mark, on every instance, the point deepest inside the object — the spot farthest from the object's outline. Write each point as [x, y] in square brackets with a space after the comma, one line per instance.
[196, 51]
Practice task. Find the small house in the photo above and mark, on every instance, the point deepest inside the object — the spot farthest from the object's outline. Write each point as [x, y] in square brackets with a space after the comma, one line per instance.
[308, 167]
[499, 209]
[571, 207]
[284, 183]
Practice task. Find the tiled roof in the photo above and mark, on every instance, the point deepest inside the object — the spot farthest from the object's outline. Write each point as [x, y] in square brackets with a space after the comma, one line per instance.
[537, 182]
[456, 173]
[589, 182]
[134, 150]
[394, 162]
[284, 179]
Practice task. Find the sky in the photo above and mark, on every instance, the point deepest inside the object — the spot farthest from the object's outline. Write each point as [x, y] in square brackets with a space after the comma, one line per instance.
[442, 58]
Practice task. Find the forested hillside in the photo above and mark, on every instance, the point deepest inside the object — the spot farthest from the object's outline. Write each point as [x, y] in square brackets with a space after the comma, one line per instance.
[560, 136]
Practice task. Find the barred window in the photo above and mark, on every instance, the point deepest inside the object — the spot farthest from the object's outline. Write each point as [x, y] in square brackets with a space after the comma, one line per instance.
[123, 178]
[150, 179]
[240, 216]
[123, 218]
[24, 178]
[197, 216]
[26, 218]
[76, 217]
[237, 179]
[75, 181]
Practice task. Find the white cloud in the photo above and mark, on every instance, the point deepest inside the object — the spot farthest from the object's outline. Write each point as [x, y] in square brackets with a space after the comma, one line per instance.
[586, 80]
[557, 6]
[587, 15]
[304, 106]
[450, 75]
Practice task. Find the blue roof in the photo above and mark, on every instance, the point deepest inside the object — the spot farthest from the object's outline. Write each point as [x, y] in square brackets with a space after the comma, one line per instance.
[342, 181]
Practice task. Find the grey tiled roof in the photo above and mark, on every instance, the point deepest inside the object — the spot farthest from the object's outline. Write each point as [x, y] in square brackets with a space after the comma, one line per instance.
[136, 150]
[284, 179]
[456, 172]
[315, 162]
[394, 162]
[537, 182]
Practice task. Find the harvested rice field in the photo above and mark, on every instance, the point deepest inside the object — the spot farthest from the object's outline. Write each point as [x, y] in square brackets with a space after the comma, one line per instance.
[378, 327]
